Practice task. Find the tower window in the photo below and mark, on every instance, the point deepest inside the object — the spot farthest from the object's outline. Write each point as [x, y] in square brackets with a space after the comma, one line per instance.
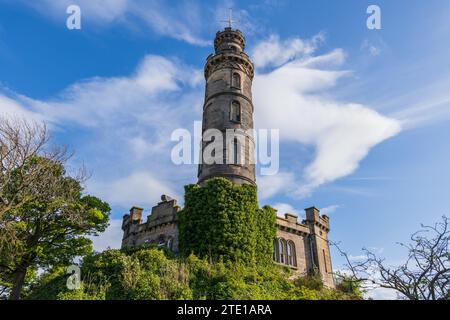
[235, 112]
[235, 152]
[236, 81]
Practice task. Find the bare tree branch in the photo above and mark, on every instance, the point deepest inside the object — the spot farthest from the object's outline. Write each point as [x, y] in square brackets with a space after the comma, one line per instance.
[425, 275]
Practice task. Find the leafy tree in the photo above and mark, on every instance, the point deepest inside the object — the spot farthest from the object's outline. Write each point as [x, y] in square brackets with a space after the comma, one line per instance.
[146, 273]
[45, 218]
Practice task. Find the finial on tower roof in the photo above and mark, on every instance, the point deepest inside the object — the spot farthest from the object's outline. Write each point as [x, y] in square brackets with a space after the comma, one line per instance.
[230, 18]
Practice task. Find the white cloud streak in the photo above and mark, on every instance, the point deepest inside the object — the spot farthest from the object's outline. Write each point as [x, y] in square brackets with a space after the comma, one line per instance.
[330, 209]
[182, 21]
[275, 52]
[283, 208]
[126, 123]
[292, 98]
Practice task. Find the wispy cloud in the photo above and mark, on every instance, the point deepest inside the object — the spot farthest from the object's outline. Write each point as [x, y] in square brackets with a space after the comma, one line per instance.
[342, 133]
[268, 186]
[330, 209]
[283, 208]
[126, 123]
[274, 52]
[139, 188]
[182, 20]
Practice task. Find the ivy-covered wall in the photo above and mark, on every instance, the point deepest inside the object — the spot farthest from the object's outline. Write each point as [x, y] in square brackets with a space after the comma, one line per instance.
[222, 221]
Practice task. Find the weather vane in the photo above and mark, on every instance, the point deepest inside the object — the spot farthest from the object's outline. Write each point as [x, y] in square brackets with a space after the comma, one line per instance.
[230, 18]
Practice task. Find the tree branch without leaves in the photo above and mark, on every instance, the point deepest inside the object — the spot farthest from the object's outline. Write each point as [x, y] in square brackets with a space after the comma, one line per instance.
[425, 275]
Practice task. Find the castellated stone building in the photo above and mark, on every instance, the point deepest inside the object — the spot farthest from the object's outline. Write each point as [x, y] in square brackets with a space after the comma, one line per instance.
[302, 246]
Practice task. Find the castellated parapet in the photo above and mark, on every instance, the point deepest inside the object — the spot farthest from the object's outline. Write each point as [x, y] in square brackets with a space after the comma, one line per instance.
[161, 226]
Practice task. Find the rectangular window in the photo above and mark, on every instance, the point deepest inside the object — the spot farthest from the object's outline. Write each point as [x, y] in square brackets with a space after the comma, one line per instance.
[325, 261]
[235, 111]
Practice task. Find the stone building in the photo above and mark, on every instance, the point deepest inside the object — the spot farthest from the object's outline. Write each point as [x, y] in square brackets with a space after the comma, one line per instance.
[228, 108]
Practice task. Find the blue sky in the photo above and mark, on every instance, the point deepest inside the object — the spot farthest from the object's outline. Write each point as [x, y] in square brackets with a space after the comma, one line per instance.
[364, 114]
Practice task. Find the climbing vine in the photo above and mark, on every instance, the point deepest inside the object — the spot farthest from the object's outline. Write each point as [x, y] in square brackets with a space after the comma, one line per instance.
[221, 221]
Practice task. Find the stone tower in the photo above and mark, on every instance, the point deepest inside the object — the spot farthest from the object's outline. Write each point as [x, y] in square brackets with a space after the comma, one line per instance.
[301, 246]
[228, 112]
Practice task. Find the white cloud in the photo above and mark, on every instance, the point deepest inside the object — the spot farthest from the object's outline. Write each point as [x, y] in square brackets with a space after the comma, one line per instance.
[269, 186]
[274, 52]
[372, 49]
[383, 294]
[111, 238]
[330, 209]
[283, 208]
[139, 188]
[293, 98]
[123, 127]
[140, 95]
[11, 108]
[182, 21]
[357, 258]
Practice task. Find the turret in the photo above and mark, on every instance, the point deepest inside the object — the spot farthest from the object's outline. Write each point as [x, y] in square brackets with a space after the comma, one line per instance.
[130, 223]
[319, 226]
[228, 111]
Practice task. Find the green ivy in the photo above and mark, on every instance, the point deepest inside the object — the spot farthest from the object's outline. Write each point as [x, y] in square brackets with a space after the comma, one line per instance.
[221, 221]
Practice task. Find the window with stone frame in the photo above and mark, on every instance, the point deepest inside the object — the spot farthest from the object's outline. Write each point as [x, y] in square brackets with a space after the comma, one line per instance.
[276, 254]
[235, 111]
[291, 256]
[236, 80]
[325, 260]
[282, 250]
[237, 153]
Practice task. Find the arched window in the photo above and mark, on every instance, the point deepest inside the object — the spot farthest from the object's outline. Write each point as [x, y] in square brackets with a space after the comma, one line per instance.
[291, 256]
[282, 250]
[235, 111]
[276, 254]
[236, 81]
